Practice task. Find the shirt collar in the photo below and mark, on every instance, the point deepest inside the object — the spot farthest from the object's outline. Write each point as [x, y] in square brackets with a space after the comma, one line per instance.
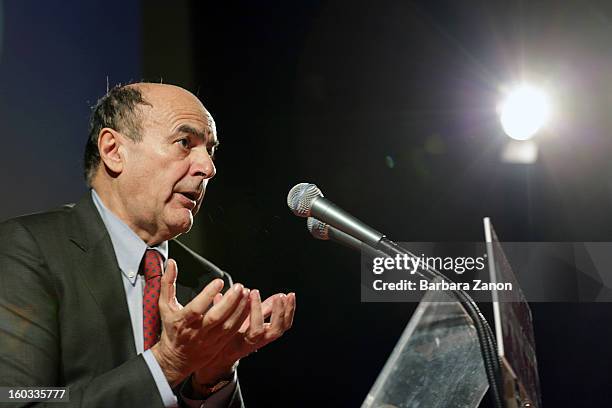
[129, 248]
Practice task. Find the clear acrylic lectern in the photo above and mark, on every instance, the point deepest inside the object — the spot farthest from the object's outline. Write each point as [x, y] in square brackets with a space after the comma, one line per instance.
[436, 363]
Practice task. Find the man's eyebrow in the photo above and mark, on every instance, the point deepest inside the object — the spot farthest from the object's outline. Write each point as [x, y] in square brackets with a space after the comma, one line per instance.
[191, 130]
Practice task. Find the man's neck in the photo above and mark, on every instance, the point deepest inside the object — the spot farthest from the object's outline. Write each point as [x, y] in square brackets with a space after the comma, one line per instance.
[115, 204]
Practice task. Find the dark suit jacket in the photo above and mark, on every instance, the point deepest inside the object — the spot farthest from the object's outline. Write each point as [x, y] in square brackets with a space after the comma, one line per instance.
[64, 319]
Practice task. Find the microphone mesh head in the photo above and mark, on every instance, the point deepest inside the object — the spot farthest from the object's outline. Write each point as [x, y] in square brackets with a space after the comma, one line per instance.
[318, 229]
[300, 198]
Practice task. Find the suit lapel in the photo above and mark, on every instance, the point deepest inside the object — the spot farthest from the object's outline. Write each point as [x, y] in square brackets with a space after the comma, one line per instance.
[100, 271]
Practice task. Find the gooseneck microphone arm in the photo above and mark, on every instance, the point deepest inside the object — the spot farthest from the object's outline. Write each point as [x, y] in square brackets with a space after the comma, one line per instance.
[306, 200]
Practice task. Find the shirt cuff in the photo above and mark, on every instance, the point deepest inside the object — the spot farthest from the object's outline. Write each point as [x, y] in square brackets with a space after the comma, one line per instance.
[219, 399]
[167, 396]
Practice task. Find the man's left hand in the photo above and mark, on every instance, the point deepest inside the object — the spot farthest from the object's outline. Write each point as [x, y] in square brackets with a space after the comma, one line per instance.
[252, 335]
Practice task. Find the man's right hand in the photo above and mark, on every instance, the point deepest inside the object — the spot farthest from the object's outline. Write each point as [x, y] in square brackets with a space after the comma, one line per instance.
[192, 335]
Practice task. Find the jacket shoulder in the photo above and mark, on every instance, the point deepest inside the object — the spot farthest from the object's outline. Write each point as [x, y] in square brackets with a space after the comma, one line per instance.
[42, 222]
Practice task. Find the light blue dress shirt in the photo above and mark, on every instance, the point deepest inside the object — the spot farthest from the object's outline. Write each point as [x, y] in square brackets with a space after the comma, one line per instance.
[129, 250]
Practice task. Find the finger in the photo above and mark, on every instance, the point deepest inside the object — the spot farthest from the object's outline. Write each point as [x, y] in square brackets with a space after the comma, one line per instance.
[266, 309]
[167, 295]
[203, 300]
[273, 330]
[217, 298]
[239, 315]
[267, 305]
[289, 311]
[256, 319]
[277, 322]
[222, 310]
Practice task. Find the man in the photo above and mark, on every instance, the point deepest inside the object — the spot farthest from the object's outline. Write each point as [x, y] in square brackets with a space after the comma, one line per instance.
[83, 300]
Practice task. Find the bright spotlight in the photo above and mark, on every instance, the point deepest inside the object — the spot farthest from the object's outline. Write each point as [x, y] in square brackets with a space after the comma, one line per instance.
[524, 111]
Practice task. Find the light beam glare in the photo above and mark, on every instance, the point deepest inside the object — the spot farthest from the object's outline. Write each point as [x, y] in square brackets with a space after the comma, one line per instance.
[524, 112]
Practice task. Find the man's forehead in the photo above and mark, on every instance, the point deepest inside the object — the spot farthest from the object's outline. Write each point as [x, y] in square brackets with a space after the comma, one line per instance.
[170, 98]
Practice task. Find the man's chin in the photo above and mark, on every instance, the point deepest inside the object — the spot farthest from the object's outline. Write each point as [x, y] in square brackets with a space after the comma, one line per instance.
[181, 223]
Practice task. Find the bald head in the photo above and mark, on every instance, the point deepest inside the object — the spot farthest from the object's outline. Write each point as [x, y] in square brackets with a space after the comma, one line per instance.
[161, 92]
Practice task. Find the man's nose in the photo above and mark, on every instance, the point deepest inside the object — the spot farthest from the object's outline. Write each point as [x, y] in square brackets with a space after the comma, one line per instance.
[202, 164]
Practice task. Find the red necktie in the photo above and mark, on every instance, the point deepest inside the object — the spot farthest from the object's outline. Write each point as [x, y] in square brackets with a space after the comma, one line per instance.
[151, 267]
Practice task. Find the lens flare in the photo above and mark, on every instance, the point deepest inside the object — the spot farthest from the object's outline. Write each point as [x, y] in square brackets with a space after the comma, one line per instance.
[524, 111]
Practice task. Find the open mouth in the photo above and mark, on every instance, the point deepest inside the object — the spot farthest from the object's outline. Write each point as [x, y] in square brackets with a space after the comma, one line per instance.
[188, 199]
[190, 195]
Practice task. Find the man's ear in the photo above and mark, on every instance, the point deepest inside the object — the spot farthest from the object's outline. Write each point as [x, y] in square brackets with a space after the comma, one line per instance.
[109, 142]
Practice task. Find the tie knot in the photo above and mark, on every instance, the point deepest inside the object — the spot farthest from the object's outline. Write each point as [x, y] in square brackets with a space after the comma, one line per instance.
[151, 264]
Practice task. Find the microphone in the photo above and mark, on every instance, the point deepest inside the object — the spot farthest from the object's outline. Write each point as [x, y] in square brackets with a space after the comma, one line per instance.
[325, 232]
[306, 200]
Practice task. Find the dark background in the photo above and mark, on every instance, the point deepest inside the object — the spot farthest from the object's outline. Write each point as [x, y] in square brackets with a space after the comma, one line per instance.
[389, 107]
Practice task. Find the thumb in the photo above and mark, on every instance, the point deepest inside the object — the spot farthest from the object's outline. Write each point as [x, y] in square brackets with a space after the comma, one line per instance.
[167, 296]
